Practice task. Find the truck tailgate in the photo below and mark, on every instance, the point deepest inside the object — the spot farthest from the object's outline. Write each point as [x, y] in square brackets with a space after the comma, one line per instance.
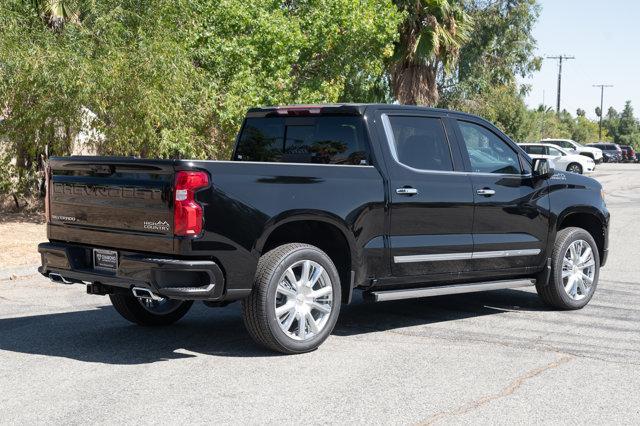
[112, 202]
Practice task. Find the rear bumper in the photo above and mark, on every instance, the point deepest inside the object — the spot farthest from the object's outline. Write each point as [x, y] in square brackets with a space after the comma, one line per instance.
[183, 279]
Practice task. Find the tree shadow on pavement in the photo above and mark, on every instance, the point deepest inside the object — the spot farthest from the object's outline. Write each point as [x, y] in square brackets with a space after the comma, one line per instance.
[101, 335]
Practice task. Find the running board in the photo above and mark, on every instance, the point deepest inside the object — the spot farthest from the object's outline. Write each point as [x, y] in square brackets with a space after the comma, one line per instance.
[414, 293]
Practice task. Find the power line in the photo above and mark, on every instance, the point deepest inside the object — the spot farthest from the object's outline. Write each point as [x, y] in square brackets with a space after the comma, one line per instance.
[602, 87]
[560, 58]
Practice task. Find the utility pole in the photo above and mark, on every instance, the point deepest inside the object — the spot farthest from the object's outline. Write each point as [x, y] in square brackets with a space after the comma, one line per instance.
[602, 87]
[543, 116]
[560, 58]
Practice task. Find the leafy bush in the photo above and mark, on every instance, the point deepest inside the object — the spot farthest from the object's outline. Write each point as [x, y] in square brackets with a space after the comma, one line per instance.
[173, 78]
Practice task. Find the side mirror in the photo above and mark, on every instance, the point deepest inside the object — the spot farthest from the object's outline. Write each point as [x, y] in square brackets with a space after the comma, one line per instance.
[542, 167]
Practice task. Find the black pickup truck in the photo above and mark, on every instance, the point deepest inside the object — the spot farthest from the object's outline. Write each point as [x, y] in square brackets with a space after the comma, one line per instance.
[318, 202]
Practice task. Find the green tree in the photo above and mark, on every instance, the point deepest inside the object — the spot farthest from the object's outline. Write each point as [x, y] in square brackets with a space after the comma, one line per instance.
[500, 48]
[431, 35]
[310, 51]
[165, 78]
[41, 94]
[623, 127]
[584, 130]
[628, 127]
[501, 45]
[546, 124]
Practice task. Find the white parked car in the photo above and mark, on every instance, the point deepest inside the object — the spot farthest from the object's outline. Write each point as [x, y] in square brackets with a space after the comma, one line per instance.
[561, 159]
[575, 148]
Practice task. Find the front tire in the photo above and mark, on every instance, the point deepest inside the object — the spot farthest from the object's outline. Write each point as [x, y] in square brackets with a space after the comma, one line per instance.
[295, 301]
[147, 312]
[575, 267]
[574, 168]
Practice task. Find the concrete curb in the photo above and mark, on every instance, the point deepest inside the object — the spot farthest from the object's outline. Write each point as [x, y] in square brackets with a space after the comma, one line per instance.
[13, 273]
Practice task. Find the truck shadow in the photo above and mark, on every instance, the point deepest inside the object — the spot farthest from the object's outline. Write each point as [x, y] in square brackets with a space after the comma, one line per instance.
[101, 335]
[361, 317]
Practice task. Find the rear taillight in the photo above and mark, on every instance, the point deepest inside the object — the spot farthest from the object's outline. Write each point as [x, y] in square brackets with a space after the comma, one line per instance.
[187, 213]
[47, 193]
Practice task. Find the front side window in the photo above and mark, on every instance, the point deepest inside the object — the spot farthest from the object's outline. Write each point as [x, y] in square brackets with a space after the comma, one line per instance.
[487, 152]
[420, 143]
[555, 152]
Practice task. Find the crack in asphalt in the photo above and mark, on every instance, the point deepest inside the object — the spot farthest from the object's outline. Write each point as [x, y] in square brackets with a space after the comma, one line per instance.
[507, 391]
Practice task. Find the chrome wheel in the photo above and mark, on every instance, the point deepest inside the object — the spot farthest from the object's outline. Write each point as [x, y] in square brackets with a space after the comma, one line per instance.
[304, 300]
[578, 270]
[575, 168]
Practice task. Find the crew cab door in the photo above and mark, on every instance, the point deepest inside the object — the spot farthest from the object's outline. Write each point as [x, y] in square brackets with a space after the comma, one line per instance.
[511, 219]
[431, 202]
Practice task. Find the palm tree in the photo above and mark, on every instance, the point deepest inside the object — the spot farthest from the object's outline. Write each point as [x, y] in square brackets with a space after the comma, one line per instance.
[431, 36]
[56, 13]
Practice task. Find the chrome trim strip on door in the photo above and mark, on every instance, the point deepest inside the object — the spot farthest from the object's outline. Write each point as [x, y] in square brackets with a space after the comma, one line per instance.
[432, 257]
[464, 256]
[504, 253]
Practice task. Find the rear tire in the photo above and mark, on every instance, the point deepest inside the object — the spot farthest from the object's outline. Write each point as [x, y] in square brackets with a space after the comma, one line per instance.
[132, 310]
[295, 301]
[571, 284]
[574, 168]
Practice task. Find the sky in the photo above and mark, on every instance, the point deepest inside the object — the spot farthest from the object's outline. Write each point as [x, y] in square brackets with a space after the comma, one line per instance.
[604, 37]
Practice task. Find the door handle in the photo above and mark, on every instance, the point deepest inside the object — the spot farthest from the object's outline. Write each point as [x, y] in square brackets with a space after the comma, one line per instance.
[406, 191]
[487, 192]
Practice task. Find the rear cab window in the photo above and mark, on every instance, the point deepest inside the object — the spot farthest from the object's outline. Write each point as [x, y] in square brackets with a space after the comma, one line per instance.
[321, 139]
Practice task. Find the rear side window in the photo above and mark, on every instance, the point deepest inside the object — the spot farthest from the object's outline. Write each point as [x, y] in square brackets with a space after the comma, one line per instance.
[534, 149]
[421, 143]
[606, 146]
[563, 144]
[319, 140]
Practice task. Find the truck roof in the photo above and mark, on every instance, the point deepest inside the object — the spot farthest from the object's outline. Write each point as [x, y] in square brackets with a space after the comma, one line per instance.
[341, 108]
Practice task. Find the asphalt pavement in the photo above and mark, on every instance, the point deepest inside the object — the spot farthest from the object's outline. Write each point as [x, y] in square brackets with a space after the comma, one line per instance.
[499, 357]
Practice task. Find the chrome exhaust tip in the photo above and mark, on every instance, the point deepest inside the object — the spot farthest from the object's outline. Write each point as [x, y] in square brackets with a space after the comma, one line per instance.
[145, 294]
[57, 278]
